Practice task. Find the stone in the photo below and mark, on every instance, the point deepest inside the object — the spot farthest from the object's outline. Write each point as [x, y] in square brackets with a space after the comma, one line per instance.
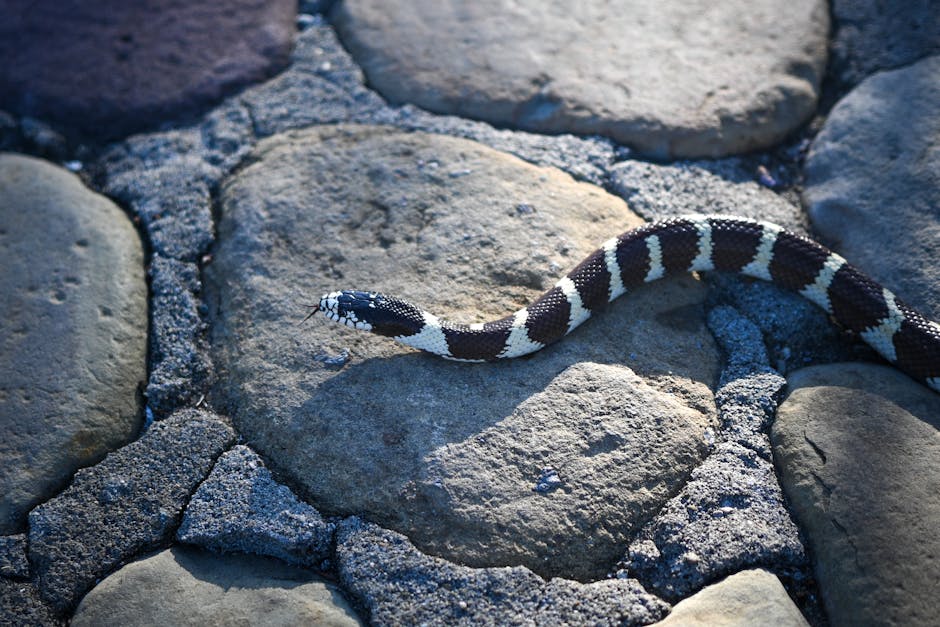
[398, 585]
[20, 604]
[871, 185]
[587, 69]
[127, 504]
[104, 76]
[871, 36]
[13, 562]
[621, 448]
[186, 586]
[858, 449]
[751, 597]
[73, 335]
[438, 220]
[729, 516]
[241, 508]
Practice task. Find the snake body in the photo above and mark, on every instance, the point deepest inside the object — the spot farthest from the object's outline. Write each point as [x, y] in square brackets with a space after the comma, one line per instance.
[686, 244]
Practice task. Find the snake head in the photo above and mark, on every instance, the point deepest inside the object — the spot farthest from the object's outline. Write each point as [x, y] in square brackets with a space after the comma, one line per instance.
[371, 311]
[352, 308]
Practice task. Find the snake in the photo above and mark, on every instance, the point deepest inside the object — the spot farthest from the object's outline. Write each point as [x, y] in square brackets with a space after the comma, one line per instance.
[691, 243]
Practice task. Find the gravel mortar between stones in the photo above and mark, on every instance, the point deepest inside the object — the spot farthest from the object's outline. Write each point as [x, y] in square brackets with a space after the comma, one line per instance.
[127, 504]
[397, 584]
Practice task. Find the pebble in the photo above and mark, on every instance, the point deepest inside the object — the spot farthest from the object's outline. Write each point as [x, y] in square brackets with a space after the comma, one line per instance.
[750, 597]
[587, 69]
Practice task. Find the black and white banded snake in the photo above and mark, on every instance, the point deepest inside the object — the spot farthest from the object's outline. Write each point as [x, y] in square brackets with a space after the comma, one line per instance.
[686, 244]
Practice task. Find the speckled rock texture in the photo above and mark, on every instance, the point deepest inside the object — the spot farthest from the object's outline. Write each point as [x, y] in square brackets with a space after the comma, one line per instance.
[671, 79]
[20, 604]
[94, 68]
[129, 503]
[873, 181]
[186, 586]
[73, 332]
[858, 447]
[458, 228]
[241, 508]
[398, 584]
[731, 515]
[13, 562]
[729, 186]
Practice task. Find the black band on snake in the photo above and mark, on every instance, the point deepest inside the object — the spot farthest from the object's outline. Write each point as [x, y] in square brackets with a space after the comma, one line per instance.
[686, 244]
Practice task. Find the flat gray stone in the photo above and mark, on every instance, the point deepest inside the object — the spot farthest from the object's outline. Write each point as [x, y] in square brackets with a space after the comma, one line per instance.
[73, 334]
[616, 449]
[241, 508]
[871, 35]
[751, 597]
[186, 586]
[106, 76]
[858, 448]
[871, 181]
[127, 504]
[399, 585]
[437, 220]
[654, 76]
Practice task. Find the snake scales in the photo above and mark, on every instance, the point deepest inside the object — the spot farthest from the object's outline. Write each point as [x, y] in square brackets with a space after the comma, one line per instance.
[686, 244]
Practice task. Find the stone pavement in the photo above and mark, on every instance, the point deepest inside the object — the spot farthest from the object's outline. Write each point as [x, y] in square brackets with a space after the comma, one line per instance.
[178, 182]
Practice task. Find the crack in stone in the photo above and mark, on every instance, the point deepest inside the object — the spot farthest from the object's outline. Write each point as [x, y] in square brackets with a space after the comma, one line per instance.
[816, 448]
